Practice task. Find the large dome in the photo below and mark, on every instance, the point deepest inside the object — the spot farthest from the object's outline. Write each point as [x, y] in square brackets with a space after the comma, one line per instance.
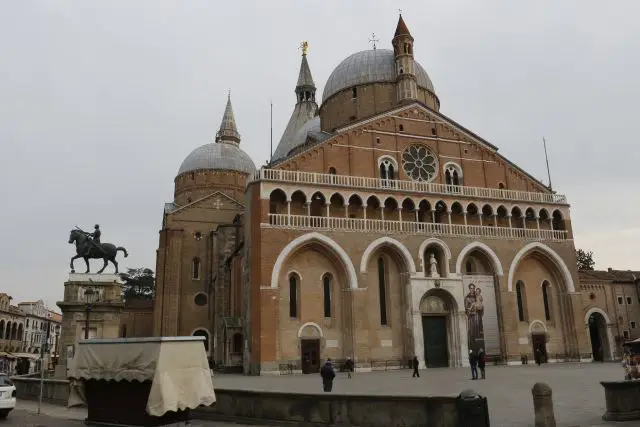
[369, 66]
[218, 156]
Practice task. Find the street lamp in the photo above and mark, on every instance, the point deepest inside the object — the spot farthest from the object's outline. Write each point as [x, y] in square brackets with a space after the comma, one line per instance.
[89, 296]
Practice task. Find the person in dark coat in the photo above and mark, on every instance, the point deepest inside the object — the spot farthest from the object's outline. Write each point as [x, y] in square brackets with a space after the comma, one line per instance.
[482, 361]
[348, 365]
[473, 362]
[328, 374]
[415, 365]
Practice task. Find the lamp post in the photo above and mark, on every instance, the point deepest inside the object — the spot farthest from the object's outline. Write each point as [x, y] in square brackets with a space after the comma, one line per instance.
[89, 295]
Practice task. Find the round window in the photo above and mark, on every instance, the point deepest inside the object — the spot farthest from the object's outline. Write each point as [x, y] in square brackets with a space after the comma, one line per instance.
[419, 163]
[200, 299]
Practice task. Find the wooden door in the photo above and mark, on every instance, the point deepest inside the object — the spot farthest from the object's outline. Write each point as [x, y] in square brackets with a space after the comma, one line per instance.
[539, 342]
[310, 350]
[434, 331]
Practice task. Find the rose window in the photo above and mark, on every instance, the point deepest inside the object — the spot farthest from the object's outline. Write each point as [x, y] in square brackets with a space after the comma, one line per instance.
[419, 163]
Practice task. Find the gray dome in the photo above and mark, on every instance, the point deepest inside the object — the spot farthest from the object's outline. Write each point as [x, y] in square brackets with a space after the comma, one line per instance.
[218, 156]
[369, 66]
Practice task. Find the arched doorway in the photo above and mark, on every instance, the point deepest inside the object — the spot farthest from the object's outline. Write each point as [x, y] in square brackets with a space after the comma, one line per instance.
[439, 328]
[310, 335]
[598, 335]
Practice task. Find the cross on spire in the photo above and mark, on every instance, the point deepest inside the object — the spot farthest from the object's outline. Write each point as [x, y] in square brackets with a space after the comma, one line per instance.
[373, 40]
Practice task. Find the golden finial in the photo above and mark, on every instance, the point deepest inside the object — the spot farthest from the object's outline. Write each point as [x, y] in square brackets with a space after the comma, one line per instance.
[305, 47]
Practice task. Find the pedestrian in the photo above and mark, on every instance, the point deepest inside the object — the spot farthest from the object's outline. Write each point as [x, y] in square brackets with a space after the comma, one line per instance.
[473, 362]
[538, 356]
[328, 374]
[415, 365]
[482, 362]
[349, 366]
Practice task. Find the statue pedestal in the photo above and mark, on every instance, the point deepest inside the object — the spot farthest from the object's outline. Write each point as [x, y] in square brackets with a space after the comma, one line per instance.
[102, 306]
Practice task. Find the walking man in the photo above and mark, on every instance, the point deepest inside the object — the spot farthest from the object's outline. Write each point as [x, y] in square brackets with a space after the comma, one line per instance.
[482, 361]
[348, 365]
[473, 362]
[415, 364]
[328, 374]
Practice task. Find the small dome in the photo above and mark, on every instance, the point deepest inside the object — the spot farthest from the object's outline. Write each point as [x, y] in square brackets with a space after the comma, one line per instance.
[369, 66]
[218, 156]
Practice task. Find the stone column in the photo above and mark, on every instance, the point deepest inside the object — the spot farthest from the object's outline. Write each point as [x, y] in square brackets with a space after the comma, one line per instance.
[288, 207]
[346, 210]
[480, 216]
[543, 406]
[464, 342]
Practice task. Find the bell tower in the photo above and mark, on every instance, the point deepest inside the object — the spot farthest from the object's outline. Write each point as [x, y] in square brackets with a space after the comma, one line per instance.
[407, 84]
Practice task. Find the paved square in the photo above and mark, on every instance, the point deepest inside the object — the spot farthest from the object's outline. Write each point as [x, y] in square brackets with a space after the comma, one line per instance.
[577, 394]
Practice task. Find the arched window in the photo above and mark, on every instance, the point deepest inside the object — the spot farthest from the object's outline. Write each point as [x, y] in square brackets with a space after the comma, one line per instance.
[195, 269]
[388, 168]
[545, 300]
[332, 170]
[452, 174]
[237, 343]
[326, 286]
[293, 296]
[383, 292]
[520, 300]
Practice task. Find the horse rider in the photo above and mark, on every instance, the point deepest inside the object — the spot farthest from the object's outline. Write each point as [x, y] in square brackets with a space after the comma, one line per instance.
[94, 239]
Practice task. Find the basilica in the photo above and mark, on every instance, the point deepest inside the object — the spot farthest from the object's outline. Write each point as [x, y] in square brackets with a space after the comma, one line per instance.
[380, 229]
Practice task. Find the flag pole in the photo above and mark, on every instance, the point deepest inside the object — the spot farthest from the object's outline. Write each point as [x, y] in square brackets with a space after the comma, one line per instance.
[271, 147]
[544, 142]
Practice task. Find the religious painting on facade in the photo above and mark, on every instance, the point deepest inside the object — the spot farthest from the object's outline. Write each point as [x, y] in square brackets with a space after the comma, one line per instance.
[481, 311]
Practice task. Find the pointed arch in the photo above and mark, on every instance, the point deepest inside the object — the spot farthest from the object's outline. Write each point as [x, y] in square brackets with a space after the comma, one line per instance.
[497, 265]
[551, 255]
[325, 241]
[388, 241]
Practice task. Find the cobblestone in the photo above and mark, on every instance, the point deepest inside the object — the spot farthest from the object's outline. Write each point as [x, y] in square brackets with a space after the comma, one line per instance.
[577, 394]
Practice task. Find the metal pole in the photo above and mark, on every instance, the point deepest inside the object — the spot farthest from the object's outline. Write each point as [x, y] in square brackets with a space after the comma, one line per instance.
[43, 346]
[271, 152]
[544, 142]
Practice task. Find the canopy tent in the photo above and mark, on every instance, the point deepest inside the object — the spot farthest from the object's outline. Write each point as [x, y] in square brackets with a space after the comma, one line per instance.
[176, 366]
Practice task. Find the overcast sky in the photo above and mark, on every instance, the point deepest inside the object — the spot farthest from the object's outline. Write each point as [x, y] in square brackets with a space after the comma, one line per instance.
[101, 101]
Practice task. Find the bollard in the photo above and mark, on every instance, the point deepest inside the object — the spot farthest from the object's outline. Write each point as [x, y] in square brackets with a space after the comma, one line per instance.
[543, 406]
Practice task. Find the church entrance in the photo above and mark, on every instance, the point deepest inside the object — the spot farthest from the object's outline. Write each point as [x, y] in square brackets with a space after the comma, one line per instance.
[434, 330]
[539, 342]
[310, 349]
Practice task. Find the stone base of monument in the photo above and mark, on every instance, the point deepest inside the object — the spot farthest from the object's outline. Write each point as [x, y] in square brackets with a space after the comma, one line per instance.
[102, 305]
[622, 400]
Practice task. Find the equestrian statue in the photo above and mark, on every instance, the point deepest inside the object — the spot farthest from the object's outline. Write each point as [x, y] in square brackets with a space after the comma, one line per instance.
[88, 246]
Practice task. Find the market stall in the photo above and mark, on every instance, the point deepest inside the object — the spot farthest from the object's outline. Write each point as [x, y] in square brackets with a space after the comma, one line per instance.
[140, 381]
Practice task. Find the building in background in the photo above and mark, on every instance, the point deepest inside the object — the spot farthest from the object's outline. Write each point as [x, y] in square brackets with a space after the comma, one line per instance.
[611, 301]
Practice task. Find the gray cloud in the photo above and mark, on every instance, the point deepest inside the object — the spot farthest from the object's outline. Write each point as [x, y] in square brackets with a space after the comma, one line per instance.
[100, 102]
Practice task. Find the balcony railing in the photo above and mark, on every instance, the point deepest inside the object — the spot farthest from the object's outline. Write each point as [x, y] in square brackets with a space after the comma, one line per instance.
[408, 227]
[313, 178]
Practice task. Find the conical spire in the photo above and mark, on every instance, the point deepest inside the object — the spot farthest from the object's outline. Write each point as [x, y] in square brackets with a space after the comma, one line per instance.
[228, 132]
[304, 77]
[305, 88]
[401, 29]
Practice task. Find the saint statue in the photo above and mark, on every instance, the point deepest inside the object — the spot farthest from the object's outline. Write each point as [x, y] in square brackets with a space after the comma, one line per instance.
[474, 308]
[433, 266]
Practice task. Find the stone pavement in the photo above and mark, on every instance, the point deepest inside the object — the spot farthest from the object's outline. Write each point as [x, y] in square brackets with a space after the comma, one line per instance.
[577, 394]
[25, 415]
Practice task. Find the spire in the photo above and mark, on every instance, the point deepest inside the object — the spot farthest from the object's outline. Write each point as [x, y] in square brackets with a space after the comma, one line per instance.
[401, 29]
[305, 88]
[228, 132]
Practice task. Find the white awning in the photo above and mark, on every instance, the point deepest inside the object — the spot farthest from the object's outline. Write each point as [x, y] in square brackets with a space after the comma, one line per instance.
[176, 366]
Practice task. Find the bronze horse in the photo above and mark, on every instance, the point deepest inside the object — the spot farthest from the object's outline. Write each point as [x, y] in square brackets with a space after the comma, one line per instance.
[108, 252]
